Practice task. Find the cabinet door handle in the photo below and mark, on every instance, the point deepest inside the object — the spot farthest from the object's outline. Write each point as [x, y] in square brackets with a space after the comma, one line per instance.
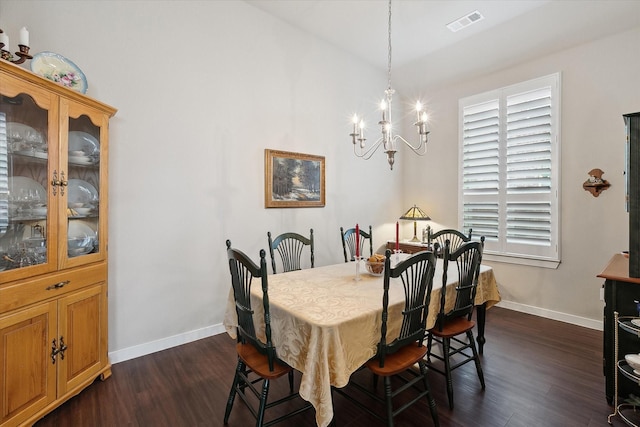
[58, 285]
[63, 347]
[55, 182]
[63, 183]
[54, 351]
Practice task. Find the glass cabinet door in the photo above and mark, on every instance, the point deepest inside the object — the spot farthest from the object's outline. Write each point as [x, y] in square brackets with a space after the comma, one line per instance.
[83, 185]
[26, 217]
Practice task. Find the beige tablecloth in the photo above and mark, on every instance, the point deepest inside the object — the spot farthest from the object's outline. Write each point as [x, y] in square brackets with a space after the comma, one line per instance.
[326, 325]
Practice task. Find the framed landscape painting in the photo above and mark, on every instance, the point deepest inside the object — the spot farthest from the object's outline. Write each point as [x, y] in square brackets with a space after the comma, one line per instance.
[293, 180]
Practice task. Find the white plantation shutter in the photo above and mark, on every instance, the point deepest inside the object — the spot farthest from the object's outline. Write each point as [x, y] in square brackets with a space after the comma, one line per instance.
[480, 175]
[510, 169]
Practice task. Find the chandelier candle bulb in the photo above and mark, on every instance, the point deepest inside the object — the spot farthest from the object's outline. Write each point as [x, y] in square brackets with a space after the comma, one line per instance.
[24, 36]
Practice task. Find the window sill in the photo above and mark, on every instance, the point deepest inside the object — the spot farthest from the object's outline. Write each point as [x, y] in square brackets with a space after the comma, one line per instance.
[544, 263]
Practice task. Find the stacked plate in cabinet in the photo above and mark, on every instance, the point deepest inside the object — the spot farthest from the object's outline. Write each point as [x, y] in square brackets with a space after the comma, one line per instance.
[81, 239]
[634, 361]
[82, 198]
[84, 148]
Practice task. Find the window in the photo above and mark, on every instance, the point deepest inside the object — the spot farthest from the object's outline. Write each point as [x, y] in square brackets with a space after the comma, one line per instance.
[510, 170]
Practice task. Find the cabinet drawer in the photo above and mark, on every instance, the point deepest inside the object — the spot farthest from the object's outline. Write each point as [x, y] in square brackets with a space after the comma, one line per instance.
[24, 292]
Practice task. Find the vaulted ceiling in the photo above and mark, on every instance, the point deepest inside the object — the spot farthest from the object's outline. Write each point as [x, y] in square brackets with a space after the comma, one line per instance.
[510, 32]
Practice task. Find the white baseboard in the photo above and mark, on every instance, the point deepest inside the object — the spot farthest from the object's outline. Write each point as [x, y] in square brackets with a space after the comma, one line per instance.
[164, 343]
[176, 340]
[550, 314]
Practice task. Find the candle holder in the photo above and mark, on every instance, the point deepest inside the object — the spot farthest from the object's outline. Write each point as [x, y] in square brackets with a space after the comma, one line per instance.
[23, 53]
[397, 252]
[357, 262]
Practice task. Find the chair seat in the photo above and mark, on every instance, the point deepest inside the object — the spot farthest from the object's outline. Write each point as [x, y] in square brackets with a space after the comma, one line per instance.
[399, 361]
[259, 363]
[453, 327]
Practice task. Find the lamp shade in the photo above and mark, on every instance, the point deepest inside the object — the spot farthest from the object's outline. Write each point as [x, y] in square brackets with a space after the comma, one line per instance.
[416, 214]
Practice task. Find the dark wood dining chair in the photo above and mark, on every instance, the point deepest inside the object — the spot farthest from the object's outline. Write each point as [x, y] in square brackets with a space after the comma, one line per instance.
[455, 322]
[348, 238]
[455, 237]
[397, 357]
[257, 359]
[290, 247]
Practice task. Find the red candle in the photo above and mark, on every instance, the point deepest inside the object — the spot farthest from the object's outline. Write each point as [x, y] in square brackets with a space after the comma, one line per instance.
[397, 236]
[357, 241]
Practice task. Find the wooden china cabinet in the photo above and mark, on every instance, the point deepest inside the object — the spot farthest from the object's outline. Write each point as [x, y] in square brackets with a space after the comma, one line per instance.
[53, 244]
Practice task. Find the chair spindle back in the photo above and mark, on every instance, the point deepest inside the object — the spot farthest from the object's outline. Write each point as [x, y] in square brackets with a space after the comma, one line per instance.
[416, 274]
[348, 238]
[468, 258]
[243, 271]
[456, 238]
[290, 247]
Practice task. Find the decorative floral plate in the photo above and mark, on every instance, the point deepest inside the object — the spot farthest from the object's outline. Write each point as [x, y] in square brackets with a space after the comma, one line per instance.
[60, 70]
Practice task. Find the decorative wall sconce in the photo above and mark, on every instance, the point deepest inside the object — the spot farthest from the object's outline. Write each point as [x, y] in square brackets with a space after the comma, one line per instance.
[23, 45]
[595, 184]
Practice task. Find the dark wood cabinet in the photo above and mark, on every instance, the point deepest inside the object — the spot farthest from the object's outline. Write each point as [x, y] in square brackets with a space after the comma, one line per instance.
[632, 125]
[621, 294]
[622, 274]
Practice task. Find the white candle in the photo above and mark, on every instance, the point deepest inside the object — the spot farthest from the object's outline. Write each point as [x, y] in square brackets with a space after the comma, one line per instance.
[24, 36]
[355, 124]
[4, 39]
[418, 109]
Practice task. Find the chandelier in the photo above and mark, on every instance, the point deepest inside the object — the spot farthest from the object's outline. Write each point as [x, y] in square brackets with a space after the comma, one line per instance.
[389, 140]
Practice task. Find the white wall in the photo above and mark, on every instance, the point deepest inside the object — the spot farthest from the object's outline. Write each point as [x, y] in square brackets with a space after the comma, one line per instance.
[599, 85]
[202, 89]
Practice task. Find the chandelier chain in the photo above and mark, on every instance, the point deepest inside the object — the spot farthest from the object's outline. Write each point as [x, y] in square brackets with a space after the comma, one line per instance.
[389, 50]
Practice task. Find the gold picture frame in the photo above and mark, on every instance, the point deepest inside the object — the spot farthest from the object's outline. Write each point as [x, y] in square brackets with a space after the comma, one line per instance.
[293, 180]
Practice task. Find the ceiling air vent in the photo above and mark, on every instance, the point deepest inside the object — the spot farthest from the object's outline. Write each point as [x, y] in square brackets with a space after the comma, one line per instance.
[465, 21]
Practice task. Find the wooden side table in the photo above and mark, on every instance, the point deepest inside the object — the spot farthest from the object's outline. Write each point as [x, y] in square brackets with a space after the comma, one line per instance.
[409, 247]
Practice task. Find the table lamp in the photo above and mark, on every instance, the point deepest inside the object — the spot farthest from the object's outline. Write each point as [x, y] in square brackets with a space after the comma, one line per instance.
[416, 214]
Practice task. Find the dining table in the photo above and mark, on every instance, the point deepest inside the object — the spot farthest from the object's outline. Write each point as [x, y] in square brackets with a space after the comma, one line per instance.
[325, 321]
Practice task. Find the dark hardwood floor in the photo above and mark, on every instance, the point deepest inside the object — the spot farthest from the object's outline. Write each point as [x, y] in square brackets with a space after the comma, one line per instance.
[538, 372]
